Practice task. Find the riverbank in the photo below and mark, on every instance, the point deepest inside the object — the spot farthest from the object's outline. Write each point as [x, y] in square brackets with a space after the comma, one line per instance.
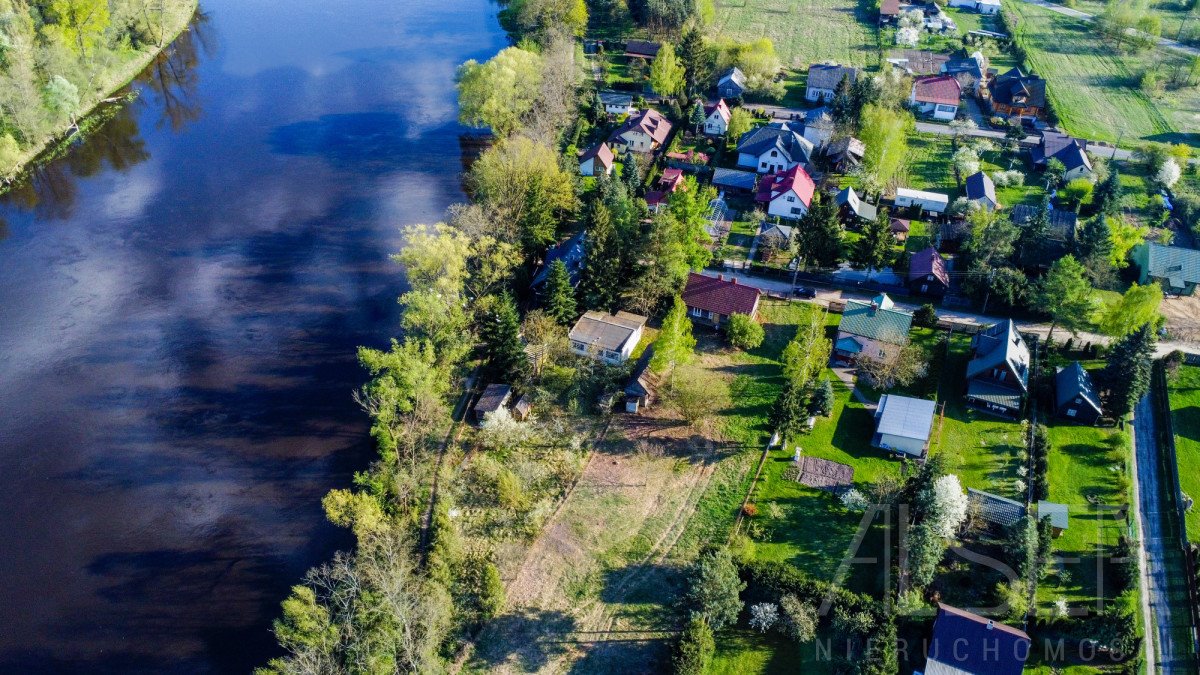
[175, 21]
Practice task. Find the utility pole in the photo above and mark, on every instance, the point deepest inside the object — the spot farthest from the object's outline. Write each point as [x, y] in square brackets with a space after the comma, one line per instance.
[988, 296]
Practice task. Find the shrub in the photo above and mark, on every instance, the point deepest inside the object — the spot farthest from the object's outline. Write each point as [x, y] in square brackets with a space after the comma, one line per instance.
[695, 649]
[750, 510]
[799, 619]
[744, 332]
[763, 616]
[715, 590]
[926, 316]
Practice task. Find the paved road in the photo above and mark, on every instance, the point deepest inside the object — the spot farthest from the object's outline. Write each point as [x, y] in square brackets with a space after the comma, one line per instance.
[1158, 537]
[825, 295]
[1163, 42]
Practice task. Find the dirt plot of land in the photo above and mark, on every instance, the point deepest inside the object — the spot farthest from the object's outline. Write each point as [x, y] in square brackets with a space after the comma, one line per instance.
[1183, 317]
[595, 592]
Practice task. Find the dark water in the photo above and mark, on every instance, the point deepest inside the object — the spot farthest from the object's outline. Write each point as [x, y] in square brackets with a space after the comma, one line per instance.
[180, 299]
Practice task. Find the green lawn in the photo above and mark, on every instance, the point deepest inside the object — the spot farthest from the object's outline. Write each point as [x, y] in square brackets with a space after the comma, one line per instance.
[1185, 419]
[745, 652]
[1094, 89]
[930, 165]
[805, 31]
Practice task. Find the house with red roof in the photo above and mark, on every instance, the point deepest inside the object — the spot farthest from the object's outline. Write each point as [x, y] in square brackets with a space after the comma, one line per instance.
[644, 131]
[927, 273]
[711, 300]
[596, 160]
[936, 96]
[668, 182]
[787, 194]
[716, 118]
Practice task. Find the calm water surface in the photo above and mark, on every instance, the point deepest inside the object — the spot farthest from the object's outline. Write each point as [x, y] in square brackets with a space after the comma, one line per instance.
[180, 299]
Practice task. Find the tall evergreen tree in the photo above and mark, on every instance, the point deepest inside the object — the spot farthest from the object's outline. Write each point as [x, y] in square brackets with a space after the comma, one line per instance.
[697, 118]
[790, 411]
[696, 61]
[842, 106]
[821, 402]
[1106, 198]
[538, 224]
[500, 330]
[560, 297]
[1067, 296]
[675, 344]
[1094, 248]
[632, 173]
[1031, 242]
[820, 233]
[874, 248]
[600, 287]
[1127, 374]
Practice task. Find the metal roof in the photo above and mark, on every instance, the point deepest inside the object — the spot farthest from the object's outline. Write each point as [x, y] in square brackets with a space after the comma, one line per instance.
[744, 180]
[1179, 266]
[980, 186]
[905, 417]
[1072, 382]
[1057, 513]
[876, 321]
[606, 331]
[990, 392]
[998, 344]
[964, 642]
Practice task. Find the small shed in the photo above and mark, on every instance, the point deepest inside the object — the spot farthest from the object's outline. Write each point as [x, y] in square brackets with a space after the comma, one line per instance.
[903, 424]
[900, 228]
[734, 181]
[933, 202]
[522, 408]
[1057, 513]
[493, 398]
[994, 509]
[640, 390]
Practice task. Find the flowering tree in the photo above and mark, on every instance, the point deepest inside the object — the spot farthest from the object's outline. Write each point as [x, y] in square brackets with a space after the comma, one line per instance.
[950, 505]
[763, 616]
[1168, 175]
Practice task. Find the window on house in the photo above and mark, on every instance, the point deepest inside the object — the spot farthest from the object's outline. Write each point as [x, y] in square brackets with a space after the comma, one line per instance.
[882, 353]
[796, 211]
[1078, 401]
[696, 311]
[577, 345]
[791, 198]
[924, 287]
[763, 165]
[774, 153]
[1070, 412]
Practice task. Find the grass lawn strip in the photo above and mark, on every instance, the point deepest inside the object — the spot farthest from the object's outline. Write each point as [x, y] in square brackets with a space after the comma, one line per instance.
[1185, 421]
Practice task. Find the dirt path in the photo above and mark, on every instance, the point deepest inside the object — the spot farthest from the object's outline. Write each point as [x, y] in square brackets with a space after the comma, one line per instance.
[594, 592]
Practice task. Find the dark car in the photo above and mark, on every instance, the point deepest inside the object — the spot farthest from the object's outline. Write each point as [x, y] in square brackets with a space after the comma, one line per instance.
[804, 292]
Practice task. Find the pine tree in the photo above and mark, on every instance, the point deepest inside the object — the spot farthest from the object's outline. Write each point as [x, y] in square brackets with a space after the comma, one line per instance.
[560, 297]
[842, 106]
[695, 649]
[1127, 374]
[538, 224]
[632, 173]
[600, 287]
[715, 589]
[821, 402]
[789, 413]
[697, 118]
[874, 248]
[1094, 248]
[694, 57]
[500, 330]
[820, 233]
[1106, 198]
[675, 344]
[1032, 240]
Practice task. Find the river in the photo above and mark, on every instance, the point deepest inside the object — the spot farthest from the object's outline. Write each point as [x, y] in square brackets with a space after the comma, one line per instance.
[180, 300]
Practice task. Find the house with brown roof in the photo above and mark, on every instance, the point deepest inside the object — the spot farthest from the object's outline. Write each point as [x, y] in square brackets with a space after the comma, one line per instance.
[918, 61]
[644, 131]
[900, 228]
[596, 160]
[1016, 94]
[670, 181]
[927, 273]
[642, 49]
[936, 96]
[712, 300]
[889, 11]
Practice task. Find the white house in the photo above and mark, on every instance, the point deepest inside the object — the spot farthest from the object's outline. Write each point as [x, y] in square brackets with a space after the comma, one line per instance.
[645, 131]
[819, 126]
[787, 194]
[933, 202]
[773, 148]
[617, 103]
[936, 96]
[610, 338]
[824, 78]
[716, 118]
[981, 6]
[596, 160]
[903, 424]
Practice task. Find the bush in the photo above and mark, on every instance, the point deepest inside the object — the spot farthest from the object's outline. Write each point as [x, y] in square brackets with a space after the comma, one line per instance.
[926, 316]
[695, 649]
[750, 510]
[744, 332]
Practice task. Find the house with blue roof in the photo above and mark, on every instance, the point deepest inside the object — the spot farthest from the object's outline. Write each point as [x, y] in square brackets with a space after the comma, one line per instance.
[876, 329]
[1075, 395]
[998, 373]
[903, 424]
[571, 252]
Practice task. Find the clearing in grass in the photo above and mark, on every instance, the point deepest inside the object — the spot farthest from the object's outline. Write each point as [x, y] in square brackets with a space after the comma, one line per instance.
[805, 31]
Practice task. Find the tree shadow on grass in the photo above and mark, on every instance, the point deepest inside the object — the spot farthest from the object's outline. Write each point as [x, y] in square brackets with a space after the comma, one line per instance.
[1187, 422]
[531, 637]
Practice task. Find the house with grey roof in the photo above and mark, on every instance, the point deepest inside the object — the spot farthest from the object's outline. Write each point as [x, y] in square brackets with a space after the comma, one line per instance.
[610, 338]
[1059, 516]
[1072, 152]
[571, 252]
[616, 102]
[1075, 396]
[998, 373]
[642, 387]
[819, 126]
[774, 148]
[1175, 268]
[903, 424]
[982, 191]
[853, 209]
[494, 398]
[875, 329]
[732, 83]
[824, 78]
[846, 153]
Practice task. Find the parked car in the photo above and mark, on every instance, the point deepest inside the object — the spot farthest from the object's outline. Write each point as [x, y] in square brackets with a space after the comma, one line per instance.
[804, 292]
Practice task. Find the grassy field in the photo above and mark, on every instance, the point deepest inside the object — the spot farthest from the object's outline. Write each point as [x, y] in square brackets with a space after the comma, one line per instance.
[805, 31]
[1094, 89]
[1185, 418]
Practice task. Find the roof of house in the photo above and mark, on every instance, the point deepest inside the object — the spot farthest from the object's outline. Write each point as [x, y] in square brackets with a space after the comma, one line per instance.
[649, 121]
[905, 417]
[719, 295]
[994, 508]
[606, 331]
[966, 643]
[900, 225]
[732, 178]
[600, 152]
[642, 48]
[692, 156]
[918, 61]
[929, 261]
[668, 182]
[775, 229]
[980, 186]
[876, 320]
[571, 252]
[974, 65]
[991, 392]
[820, 118]
[616, 98]
[998, 344]
[493, 398]
[1179, 266]
[847, 145]
[720, 108]
[642, 381]
[1062, 223]
[1073, 381]
[1069, 151]
[1013, 86]
[734, 75]
[922, 195]
[776, 136]
[889, 7]
[829, 75]
[1059, 514]
[795, 179]
[941, 89]
[848, 197]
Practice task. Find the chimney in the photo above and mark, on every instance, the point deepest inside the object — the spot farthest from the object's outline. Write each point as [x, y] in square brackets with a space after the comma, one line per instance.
[720, 277]
[733, 280]
[991, 625]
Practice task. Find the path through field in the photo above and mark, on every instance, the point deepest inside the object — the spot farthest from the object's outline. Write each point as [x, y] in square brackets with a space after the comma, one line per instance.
[595, 593]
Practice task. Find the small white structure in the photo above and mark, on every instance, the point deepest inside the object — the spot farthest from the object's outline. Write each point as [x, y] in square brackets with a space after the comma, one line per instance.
[610, 338]
[933, 202]
[903, 424]
[617, 103]
[981, 6]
